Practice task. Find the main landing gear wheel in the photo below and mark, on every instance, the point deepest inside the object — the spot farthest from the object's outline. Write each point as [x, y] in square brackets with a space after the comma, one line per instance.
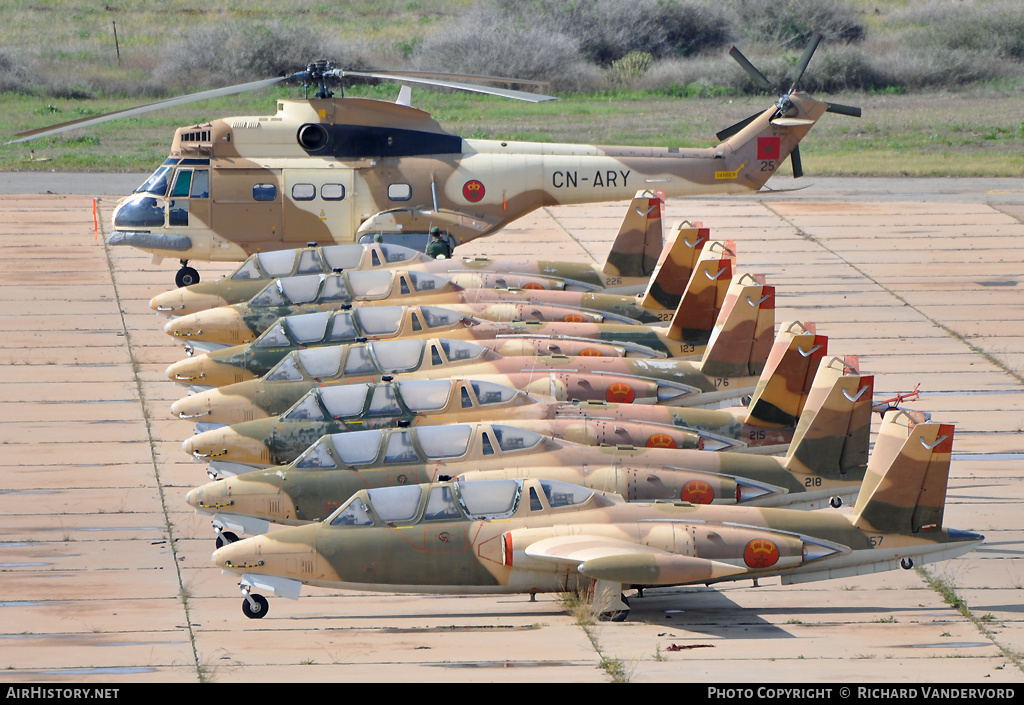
[617, 615]
[906, 563]
[255, 606]
[186, 276]
[226, 537]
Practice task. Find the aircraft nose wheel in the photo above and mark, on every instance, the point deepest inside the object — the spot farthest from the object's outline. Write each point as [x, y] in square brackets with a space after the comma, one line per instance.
[226, 537]
[254, 606]
[186, 276]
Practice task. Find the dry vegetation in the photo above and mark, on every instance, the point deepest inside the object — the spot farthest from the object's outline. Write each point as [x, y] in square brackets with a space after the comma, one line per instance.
[619, 68]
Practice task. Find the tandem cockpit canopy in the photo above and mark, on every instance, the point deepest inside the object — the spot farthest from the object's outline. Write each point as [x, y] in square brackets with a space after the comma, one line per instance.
[479, 500]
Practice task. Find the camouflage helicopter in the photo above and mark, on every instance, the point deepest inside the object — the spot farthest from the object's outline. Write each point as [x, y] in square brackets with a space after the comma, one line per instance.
[333, 169]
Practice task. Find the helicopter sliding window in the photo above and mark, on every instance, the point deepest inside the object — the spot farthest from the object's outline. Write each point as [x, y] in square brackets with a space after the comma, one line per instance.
[264, 192]
[200, 184]
[399, 192]
[303, 192]
[332, 192]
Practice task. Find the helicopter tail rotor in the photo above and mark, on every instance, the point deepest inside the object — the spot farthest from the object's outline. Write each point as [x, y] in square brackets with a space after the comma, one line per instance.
[784, 107]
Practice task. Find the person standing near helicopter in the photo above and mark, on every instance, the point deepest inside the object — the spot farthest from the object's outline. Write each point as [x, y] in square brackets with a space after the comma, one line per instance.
[438, 247]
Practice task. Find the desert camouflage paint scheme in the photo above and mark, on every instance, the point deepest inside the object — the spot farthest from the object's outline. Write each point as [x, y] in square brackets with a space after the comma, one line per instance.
[537, 535]
[635, 255]
[469, 292]
[824, 465]
[332, 408]
[336, 170]
[742, 321]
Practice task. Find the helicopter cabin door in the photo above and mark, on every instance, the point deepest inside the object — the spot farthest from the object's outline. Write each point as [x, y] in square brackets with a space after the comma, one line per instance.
[246, 205]
[318, 206]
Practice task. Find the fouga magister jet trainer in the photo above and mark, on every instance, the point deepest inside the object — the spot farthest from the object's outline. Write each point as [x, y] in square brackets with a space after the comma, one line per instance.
[339, 169]
[537, 535]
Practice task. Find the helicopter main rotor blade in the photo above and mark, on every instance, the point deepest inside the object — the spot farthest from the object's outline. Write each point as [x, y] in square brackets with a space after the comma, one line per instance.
[843, 109]
[140, 109]
[798, 72]
[503, 92]
[794, 158]
[755, 75]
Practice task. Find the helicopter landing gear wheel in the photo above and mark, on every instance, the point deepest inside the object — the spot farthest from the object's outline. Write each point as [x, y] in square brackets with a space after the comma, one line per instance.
[186, 276]
[254, 606]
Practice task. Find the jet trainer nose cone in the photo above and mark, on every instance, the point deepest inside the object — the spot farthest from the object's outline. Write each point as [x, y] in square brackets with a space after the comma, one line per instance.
[227, 406]
[223, 324]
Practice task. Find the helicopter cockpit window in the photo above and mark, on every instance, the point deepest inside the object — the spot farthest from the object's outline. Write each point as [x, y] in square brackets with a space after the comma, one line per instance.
[437, 317]
[489, 499]
[357, 447]
[303, 192]
[400, 448]
[307, 328]
[359, 361]
[248, 271]
[300, 290]
[335, 289]
[424, 281]
[384, 402]
[157, 183]
[441, 504]
[562, 494]
[320, 362]
[332, 192]
[270, 296]
[512, 438]
[277, 263]
[317, 455]
[399, 192]
[285, 371]
[342, 328]
[346, 401]
[200, 184]
[343, 256]
[264, 192]
[446, 441]
[306, 409]
[425, 395]
[491, 393]
[395, 356]
[396, 253]
[398, 503]
[461, 350]
[353, 513]
[380, 320]
[274, 337]
[371, 284]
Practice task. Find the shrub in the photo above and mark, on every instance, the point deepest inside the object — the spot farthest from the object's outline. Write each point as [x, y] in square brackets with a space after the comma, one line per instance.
[791, 23]
[993, 28]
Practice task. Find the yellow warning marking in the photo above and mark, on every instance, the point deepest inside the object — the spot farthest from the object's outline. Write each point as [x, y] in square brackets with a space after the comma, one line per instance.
[728, 174]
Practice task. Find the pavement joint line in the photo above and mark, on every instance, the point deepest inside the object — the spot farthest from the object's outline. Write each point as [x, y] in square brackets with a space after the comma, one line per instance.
[949, 331]
[183, 592]
[933, 582]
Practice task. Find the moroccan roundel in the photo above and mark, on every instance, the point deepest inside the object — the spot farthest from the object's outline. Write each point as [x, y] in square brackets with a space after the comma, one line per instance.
[620, 393]
[473, 191]
[761, 553]
[661, 440]
[697, 492]
[590, 352]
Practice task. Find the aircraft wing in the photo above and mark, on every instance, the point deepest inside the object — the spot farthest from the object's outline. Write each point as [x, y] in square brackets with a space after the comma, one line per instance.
[626, 562]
